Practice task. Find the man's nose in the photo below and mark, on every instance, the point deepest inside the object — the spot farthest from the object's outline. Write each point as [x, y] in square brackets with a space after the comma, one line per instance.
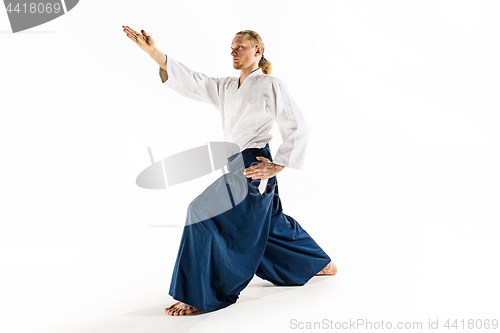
[233, 52]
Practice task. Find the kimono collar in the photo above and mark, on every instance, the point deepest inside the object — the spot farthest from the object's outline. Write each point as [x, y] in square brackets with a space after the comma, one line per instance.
[255, 72]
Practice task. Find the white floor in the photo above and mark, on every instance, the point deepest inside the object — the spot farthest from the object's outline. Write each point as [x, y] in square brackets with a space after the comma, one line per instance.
[396, 277]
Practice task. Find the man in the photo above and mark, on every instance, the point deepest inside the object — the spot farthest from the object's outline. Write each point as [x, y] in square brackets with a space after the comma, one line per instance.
[218, 256]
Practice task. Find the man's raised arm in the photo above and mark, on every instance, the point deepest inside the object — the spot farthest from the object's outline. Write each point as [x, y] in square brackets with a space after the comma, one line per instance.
[183, 80]
[161, 60]
[147, 44]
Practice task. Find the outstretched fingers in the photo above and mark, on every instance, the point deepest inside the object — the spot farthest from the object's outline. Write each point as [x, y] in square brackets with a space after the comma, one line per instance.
[132, 34]
[130, 30]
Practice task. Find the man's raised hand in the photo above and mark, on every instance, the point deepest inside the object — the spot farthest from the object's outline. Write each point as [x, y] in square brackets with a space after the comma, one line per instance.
[145, 41]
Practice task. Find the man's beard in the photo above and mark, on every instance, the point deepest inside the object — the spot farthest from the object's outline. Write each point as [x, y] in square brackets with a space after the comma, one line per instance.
[237, 65]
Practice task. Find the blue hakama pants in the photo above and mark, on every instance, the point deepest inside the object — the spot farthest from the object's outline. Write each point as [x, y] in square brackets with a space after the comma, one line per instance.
[218, 256]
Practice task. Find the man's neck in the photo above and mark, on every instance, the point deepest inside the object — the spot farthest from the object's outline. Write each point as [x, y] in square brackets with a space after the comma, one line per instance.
[247, 71]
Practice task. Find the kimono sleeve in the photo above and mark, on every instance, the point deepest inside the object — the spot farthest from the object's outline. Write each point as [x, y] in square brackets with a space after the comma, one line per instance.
[292, 126]
[189, 83]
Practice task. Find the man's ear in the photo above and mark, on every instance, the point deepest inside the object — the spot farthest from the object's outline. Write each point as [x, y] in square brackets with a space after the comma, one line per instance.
[257, 50]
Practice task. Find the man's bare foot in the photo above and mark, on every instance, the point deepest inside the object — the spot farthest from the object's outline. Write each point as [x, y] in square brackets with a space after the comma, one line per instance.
[330, 269]
[179, 309]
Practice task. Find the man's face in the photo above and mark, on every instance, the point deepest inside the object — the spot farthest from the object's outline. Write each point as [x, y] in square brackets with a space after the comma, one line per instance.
[243, 53]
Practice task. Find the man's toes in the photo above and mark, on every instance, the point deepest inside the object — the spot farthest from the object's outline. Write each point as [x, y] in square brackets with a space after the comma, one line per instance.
[171, 307]
[330, 269]
[179, 310]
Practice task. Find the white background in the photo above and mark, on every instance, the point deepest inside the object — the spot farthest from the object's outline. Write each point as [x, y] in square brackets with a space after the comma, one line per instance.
[400, 185]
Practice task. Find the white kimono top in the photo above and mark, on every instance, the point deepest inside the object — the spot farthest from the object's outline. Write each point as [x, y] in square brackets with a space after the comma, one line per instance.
[247, 112]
